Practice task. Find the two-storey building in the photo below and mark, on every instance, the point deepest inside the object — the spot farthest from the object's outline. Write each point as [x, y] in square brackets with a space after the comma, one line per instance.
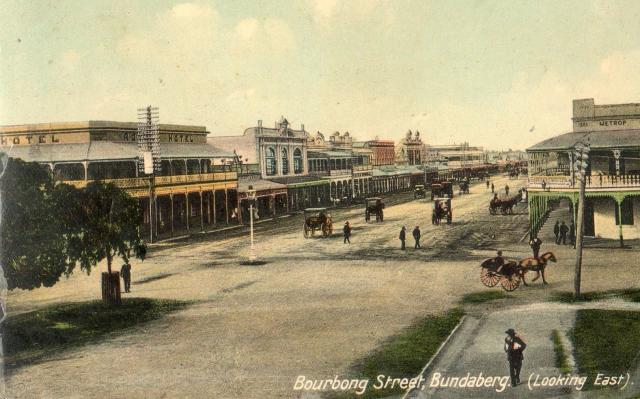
[195, 188]
[613, 175]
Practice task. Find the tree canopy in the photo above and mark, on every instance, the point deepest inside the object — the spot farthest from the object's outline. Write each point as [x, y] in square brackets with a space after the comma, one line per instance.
[49, 227]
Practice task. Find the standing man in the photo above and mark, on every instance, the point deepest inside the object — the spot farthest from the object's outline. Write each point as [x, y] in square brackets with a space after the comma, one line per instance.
[488, 184]
[347, 232]
[492, 188]
[125, 272]
[572, 234]
[564, 229]
[514, 346]
[416, 237]
[556, 231]
[402, 237]
[506, 189]
[535, 244]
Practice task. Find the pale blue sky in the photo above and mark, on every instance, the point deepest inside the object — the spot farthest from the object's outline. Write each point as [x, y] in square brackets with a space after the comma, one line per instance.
[481, 71]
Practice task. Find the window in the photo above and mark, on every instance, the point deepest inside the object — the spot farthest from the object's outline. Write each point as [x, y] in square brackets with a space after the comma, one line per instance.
[271, 162]
[297, 161]
[285, 162]
[627, 211]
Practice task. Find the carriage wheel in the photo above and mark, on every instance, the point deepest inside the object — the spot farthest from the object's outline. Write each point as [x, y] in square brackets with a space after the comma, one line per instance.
[305, 228]
[503, 211]
[489, 277]
[510, 283]
[492, 211]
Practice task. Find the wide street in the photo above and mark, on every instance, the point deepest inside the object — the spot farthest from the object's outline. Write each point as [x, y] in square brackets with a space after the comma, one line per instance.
[314, 308]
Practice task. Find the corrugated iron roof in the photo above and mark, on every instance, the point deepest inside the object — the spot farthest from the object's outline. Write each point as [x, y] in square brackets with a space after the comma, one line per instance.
[597, 139]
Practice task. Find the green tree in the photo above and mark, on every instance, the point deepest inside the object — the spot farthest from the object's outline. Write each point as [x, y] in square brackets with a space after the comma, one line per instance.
[109, 226]
[37, 224]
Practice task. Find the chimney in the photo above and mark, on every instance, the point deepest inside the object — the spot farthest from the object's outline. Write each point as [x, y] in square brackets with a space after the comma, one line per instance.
[259, 122]
[302, 127]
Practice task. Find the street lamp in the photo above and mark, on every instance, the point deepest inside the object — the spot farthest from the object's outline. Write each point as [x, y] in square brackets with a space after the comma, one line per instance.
[251, 196]
[581, 152]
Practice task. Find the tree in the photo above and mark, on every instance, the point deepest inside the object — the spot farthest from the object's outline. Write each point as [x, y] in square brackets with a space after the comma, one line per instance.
[37, 223]
[110, 226]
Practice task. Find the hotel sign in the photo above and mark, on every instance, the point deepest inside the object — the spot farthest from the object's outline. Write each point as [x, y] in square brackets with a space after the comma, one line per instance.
[29, 139]
[606, 124]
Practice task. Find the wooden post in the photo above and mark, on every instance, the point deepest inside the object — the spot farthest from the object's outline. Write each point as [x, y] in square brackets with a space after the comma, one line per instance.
[171, 200]
[201, 213]
[579, 237]
[226, 206]
[215, 216]
[619, 205]
[188, 213]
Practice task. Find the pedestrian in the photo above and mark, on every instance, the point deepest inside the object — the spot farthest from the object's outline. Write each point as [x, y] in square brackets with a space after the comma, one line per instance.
[488, 184]
[125, 273]
[572, 234]
[514, 346]
[556, 231]
[506, 190]
[492, 188]
[416, 237]
[564, 229]
[402, 237]
[535, 244]
[347, 232]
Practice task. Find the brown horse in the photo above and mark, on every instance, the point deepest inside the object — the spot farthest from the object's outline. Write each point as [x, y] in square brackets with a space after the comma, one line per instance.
[536, 265]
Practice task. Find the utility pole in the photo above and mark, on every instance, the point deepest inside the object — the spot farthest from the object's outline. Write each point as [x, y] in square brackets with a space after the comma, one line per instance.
[149, 157]
[581, 153]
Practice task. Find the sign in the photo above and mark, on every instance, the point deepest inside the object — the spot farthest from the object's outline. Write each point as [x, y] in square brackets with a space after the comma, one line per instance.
[606, 124]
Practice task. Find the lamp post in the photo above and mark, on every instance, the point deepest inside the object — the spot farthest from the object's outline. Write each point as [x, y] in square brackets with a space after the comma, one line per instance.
[581, 153]
[251, 196]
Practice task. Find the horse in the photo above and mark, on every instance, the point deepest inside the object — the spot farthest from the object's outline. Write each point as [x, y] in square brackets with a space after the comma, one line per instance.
[536, 265]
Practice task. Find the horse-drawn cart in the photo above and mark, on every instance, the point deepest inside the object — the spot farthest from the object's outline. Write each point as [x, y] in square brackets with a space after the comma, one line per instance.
[507, 274]
[505, 206]
[441, 188]
[317, 219]
[374, 206]
[441, 210]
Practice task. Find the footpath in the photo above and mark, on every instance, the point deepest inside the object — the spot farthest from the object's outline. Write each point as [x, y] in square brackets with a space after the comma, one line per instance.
[475, 349]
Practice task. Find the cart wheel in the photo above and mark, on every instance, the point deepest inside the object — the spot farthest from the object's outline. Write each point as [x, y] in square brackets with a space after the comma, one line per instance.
[305, 228]
[489, 277]
[510, 283]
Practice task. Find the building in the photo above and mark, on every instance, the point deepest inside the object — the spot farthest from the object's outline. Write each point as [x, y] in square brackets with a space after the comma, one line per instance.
[458, 156]
[274, 163]
[382, 151]
[410, 150]
[194, 190]
[613, 175]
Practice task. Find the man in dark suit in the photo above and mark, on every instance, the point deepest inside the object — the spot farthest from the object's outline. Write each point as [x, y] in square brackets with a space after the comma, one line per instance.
[514, 346]
[125, 273]
[556, 231]
[416, 236]
[402, 237]
[347, 232]
[564, 229]
[535, 244]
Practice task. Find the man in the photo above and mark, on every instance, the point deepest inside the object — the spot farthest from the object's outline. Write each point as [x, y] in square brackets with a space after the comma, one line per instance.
[125, 272]
[514, 346]
[572, 234]
[564, 229]
[535, 244]
[498, 260]
[556, 231]
[402, 237]
[492, 188]
[488, 184]
[416, 237]
[506, 190]
[347, 232]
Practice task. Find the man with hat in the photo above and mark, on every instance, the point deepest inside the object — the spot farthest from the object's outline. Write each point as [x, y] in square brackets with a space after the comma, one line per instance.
[514, 346]
[402, 237]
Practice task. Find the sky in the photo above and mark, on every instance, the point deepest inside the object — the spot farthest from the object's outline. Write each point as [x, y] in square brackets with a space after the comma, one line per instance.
[500, 74]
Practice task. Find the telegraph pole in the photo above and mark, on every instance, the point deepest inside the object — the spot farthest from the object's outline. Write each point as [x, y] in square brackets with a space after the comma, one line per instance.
[581, 152]
[149, 157]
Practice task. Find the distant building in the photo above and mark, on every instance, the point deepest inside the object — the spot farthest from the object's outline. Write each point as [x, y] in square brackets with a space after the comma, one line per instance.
[613, 175]
[458, 156]
[195, 188]
[410, 150]
[382, 151]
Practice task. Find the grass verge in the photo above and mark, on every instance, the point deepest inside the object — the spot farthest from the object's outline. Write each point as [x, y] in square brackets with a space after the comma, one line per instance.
[562, 361]
[483, 296]
[30, 337]
[631, 294]
[605, 341]
[403, 355]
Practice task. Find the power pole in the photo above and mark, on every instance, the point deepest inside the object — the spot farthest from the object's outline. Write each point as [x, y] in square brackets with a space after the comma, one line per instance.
[581, 153]
[149, 162]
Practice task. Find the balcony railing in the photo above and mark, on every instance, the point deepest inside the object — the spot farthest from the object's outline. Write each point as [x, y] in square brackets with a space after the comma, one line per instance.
[140, 182]
[593, 182]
